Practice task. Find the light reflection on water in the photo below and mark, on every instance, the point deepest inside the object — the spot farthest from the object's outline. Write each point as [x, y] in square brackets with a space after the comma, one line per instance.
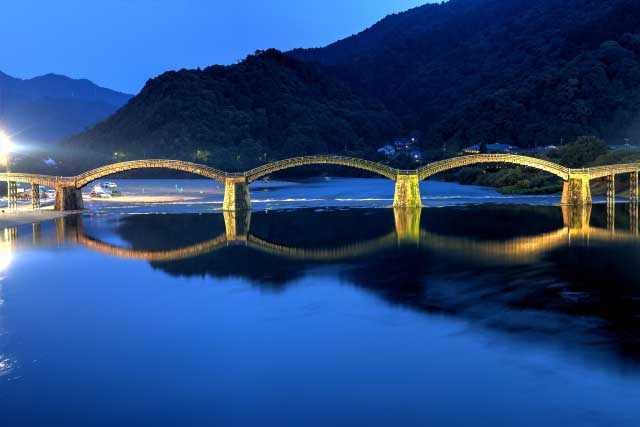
[462, 315]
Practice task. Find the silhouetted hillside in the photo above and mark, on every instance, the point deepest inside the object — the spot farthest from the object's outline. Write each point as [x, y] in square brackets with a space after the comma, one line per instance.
[51, 107]
[266, 107]
[520, 71]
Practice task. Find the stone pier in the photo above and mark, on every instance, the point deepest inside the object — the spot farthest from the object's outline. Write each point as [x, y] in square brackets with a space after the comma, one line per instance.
[68, 199]
[12, 195]
[407, 194]
[611, 188]
[577, 191]
[35, 196]
[633, 187]
[236, 195]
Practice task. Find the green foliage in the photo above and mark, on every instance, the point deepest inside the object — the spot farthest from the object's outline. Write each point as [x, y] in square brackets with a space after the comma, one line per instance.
[267, 107]
[202, 156]
[527, 73]
[522, 72]
[617, 157]
[585, 150]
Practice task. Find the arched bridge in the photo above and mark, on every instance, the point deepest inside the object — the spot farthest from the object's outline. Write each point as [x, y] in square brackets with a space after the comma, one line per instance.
[458, 162]
[407, 192]
[377, 168]
[208, 172]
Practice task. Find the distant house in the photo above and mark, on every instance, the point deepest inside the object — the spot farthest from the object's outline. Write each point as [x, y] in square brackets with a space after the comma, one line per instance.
[507, 149]
[388, 150]
[403, 143]
[491, 148]
[625, 147]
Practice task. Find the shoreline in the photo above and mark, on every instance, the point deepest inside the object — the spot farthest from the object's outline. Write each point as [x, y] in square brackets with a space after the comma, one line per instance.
[26, 217]
[140, 199]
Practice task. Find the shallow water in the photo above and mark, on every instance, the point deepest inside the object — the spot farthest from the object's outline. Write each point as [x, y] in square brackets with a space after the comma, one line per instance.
[320, 192]
[316, 313]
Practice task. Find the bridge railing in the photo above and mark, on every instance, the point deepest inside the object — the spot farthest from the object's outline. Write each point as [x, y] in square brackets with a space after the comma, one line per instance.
[605, 170]
[260, 171]
[468, 160]
[39, 179]
[382, 169]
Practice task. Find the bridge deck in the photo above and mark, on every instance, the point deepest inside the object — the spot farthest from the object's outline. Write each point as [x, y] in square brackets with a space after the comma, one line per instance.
[424, 172]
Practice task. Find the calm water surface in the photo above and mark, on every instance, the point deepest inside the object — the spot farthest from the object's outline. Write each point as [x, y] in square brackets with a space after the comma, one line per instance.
[322, 307]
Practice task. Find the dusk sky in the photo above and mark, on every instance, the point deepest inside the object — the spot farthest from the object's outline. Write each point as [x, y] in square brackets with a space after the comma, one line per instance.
[121, 43]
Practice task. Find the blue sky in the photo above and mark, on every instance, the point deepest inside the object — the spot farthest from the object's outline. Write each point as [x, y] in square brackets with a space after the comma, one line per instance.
[121, 43]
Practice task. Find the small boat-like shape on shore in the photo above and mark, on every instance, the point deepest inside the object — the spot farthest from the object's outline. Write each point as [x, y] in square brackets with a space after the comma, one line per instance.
[99, 193]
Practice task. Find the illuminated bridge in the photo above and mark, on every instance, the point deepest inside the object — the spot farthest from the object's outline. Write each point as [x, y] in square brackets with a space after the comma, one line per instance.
[576, 189]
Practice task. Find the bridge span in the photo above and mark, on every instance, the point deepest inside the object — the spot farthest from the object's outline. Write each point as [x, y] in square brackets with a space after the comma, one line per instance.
[576, 190]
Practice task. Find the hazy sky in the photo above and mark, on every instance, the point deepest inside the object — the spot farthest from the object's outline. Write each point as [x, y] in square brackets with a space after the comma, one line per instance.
[121, 43]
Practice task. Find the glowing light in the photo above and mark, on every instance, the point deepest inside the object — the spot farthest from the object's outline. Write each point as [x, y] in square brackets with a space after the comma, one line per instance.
[6, 146]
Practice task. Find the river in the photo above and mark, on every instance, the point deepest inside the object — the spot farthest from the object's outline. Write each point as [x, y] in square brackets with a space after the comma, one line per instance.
[324, 306]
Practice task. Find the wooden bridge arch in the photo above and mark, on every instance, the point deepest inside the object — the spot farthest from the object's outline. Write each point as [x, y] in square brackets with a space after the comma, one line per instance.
[377, 168]
[457, 162]
[208, 172]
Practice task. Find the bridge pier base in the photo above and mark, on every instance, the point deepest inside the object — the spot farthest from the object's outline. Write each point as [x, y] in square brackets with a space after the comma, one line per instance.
[407, 194]
[35, 196]
[576, 191]
[633, 187]
[611, 189]
[237, 224]
[12, 195]
[236, 195]
[68, 199]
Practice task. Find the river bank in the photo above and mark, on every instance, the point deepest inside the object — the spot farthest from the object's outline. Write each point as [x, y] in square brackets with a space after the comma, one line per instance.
[24, 216]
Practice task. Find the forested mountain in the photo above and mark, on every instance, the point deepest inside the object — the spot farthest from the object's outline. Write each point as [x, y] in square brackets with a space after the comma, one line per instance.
[47, 108]
[525, 72]
[266, 107]
[522, 72]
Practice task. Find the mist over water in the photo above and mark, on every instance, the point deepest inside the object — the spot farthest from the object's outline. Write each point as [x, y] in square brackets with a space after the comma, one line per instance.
[323, 301]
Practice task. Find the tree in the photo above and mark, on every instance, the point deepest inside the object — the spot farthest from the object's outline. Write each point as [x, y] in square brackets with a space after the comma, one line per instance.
[585, 150]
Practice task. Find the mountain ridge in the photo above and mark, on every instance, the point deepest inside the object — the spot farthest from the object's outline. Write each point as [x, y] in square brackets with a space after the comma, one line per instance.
[44, 109]
[523, 72]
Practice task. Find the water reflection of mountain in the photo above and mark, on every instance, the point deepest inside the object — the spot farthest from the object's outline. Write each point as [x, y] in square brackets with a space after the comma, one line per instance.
[577, 290]
[539, 272]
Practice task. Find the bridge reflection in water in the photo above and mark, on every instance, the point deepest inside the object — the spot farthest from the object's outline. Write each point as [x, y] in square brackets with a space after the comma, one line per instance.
[575, 229]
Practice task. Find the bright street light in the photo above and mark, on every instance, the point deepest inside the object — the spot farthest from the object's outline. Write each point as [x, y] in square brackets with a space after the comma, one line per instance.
[6, 147]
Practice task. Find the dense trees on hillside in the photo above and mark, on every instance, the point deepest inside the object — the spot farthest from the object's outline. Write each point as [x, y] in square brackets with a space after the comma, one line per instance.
[267, 107]
[597, 93]
[520, 72]
[524, 72]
